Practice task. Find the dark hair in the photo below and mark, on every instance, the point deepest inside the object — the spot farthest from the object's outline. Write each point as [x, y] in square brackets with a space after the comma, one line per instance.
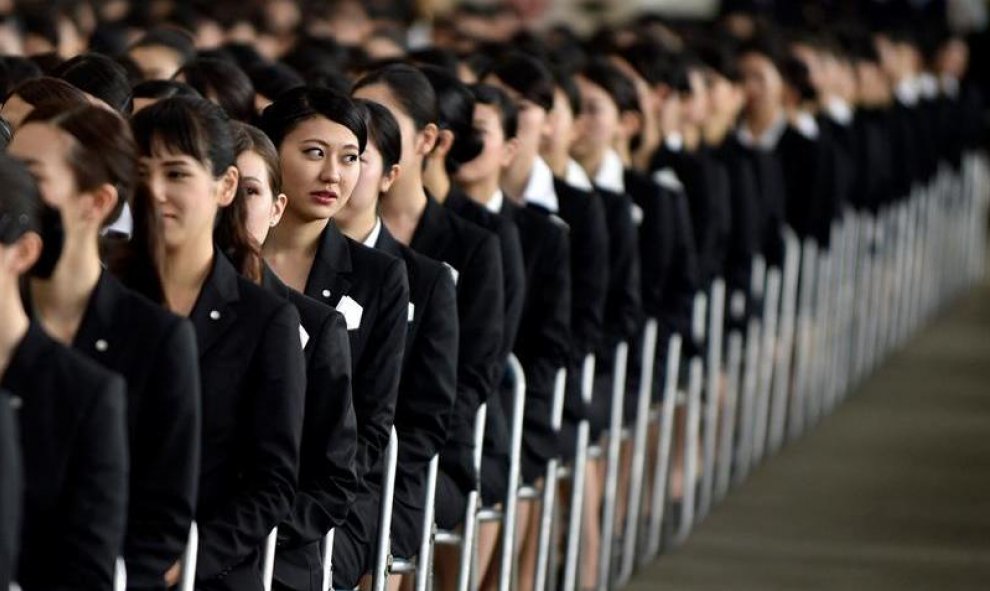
[270, 80]
[248, 138]
[163, 89]
[201, 130]
[15, 70]
[768, 46]
[493, 96]
[527, 76]
[658, 65]
[411, 89]
[244, 55]
[795, 74]
[564, 81]
[109, 39]
[42, 90]
[300, 104]
[444, 59]
[20, 201]
[717, 55]
[103, 151]
[172, 38]
[455, 107]
[38, 20]
[383, 131]
[223, 82]
[99, 76]
[605, 74]
[48, 62]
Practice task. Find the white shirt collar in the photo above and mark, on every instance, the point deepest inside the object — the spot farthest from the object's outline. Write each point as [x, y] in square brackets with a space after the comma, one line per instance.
[577, 177]
[950, 86]
[372, 238]
[767, 141]
[928, 86]
[839, 110]
[124, 224]
[806, 125]
[674, 142]
[907, 92]
[611, 173]
[539, 189]
[667, 178]
[494, 204]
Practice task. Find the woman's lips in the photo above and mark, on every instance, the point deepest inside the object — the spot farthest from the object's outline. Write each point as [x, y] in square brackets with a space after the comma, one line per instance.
[323, 197]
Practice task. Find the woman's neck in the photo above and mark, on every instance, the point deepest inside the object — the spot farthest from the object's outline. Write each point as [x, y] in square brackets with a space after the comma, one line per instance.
[184, 272]
[403, 206]
[481, 191]
[359, 225]
[436, 180]
[13, 325]
[60, 301]
[592, 162]
[557, 160]
[517, 175]
[692, 138]
[759, 121]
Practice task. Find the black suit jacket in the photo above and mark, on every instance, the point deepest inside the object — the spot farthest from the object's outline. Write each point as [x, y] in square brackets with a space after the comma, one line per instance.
[744, 233]
[474, 256]
[427, 389]
[624, 302]
[155, 352]
[327, 478]
[348, 276]
[11, 491]
[513, 267]
[253, 385]
[74, 439]
[544, 342]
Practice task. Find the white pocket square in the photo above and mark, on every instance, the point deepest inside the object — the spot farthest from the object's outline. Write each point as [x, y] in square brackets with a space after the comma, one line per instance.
[352, 312]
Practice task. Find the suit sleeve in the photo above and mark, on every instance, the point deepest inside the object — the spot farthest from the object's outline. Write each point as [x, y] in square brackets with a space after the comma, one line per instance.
[376, 378]
[327, 477]
[683, 281]
[428, 389]
[624, 273]
[164, 461]
[11, 492]
[589, 276]
[550, 348]
[96, 499]
[268, 481]
[480, 310]
[514, 271]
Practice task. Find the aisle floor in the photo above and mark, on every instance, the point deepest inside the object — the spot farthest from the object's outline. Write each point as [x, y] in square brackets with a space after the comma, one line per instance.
[890, 492]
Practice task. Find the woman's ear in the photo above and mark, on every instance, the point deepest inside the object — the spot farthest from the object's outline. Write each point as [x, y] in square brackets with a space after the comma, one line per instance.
[227, 188]
[445, 141]
[388, 178]
[24, 253]
[630, 123]
[509, 151]
[104, 201]
[426, 139]
[278, 208]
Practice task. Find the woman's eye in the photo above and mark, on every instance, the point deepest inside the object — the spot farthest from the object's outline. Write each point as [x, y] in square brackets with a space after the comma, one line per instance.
[176, 174]
[351, 158]
[251, 191]
[313, 152]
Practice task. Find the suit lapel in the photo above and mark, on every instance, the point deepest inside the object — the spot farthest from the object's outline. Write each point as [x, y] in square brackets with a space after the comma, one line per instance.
[214, 312]
[329, 278]
[105, 311]
[432, 233]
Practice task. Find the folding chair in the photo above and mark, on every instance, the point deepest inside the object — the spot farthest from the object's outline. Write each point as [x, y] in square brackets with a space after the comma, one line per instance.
[421, 564]
[727, 430]
[268, 559]
[510, 510]
[716, 324]
[119, 575]
[549, 495]
[612, 459]
[692, 430]
[466, 539]
[328, 561]
[639, 437]
[768, 351]
[187, 578]
[578, 477]
[750, 371]
[804, 347]
[781, 385]
[379, 572]
[661, 473]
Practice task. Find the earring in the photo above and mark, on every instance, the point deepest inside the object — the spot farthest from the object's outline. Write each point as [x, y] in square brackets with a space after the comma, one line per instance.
[272, 223]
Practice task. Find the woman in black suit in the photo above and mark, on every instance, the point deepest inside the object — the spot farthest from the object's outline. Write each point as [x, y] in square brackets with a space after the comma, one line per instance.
[428, 385]
[71, 418]
[327, 480]
[86, 164]
[320, 136]
[252, 373]
[414, 218]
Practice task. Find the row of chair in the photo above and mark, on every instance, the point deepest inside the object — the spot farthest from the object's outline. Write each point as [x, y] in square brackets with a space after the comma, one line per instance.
[829, 317]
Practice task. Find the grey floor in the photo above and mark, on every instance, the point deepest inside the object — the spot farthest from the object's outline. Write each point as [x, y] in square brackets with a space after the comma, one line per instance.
[890, 492]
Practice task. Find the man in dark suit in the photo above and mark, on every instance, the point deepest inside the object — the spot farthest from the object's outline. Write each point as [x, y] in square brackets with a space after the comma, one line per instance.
[71, 419]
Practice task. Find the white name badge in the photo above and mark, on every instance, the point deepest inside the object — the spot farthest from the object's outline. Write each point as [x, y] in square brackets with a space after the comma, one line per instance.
[352, 312]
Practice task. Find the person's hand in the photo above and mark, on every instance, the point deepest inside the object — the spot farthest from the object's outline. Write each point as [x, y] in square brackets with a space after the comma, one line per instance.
[172, 574]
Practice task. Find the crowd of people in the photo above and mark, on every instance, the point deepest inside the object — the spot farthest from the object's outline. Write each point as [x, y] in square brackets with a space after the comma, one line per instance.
[241, 243]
